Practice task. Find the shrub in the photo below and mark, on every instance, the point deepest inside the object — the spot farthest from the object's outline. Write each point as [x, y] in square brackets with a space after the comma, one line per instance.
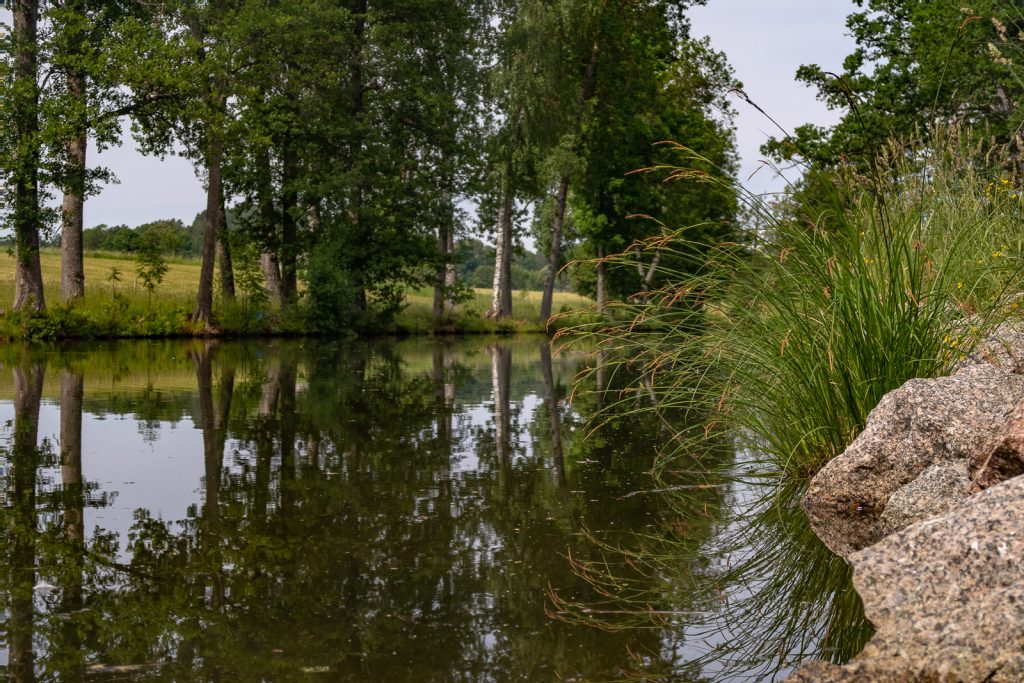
[150, 267]
[332, 295]
[788, 339]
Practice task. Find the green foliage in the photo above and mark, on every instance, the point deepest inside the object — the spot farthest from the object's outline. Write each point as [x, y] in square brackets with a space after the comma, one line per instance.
[614, 205]
[113, 277]
[482, 276]
[333, 303]
[116, 238]
[249, 280]
[116, 317]
[169, 237]
[916, 64]
[475, 266]
[362, 130]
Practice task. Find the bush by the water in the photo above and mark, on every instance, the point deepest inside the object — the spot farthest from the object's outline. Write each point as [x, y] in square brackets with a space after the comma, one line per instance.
[777, 347]
[824, 308]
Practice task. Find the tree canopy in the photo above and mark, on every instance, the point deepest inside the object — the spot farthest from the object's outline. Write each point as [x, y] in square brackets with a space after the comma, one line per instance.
[916, 63]
[348, 146]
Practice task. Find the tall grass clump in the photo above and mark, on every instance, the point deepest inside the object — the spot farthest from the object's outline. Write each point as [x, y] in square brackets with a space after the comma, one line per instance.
[788, 337]
[777, 346]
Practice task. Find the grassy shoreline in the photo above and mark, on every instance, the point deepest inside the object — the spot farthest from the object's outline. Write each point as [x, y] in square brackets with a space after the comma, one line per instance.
[117, 306]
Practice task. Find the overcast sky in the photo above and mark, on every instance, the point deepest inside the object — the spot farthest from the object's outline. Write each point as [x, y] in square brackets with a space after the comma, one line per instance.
[765, 41]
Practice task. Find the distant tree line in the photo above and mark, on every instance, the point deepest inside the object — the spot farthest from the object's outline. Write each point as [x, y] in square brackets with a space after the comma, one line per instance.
[169, 237]
[358, 141]
[475, 266]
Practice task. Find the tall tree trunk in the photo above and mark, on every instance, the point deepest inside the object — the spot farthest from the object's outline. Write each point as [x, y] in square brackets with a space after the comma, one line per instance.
[506, 255]
[215, 99]
[28, 273]
[600, 279]
[289, 207]
[203, 312]
[313, 215]
[268, 222]
[450, 276]
[440, 271]
[501, 292]
[555, 248]
[271, 275]
[72, 267]
[585, 92]
[227, 271]
[444, 277]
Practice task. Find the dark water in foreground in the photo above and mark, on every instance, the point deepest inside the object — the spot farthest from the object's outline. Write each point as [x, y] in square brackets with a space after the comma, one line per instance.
[375, 511]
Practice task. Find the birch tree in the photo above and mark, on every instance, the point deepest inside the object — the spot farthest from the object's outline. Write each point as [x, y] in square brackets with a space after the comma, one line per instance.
[21, 150]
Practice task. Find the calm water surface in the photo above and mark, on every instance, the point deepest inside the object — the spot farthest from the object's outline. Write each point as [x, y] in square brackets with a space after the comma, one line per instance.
[380, 511]
[373, 511]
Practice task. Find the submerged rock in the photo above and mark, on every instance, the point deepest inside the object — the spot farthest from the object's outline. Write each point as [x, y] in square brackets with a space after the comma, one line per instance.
[940, 430]
[946, 596]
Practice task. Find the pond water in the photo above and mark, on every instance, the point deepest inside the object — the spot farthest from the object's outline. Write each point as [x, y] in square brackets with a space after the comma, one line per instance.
[376, 511]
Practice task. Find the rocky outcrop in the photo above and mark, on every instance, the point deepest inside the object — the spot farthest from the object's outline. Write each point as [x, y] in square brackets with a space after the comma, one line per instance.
[927, 505]
[926, 446]
[946, 596]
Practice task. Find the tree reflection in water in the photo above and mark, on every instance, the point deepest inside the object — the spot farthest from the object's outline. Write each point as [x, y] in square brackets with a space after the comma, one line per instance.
[753, 594]
[369, 511]
[22, 541]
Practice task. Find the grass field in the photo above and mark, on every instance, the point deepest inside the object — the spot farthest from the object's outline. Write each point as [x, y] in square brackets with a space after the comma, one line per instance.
[470, 316]
[120, 307]
[180, 281]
